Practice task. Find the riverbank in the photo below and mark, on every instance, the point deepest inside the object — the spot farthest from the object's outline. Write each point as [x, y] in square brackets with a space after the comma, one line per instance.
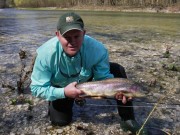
[25, 114]
[173, 9]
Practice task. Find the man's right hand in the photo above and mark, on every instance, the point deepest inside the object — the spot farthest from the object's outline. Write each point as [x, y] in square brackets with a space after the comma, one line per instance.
[71, 91]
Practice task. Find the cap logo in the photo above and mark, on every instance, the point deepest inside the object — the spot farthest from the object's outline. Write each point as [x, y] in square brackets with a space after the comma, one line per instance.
[69, 19]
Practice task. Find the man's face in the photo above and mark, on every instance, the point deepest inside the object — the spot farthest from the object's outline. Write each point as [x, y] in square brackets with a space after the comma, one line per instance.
[71, 41]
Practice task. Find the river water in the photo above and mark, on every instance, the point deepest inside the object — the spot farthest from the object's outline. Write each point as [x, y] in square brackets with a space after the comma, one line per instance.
[28, 29]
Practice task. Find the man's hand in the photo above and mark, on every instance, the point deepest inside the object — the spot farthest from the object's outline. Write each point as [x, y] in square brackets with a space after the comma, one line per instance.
[120, 96]
[71, 91]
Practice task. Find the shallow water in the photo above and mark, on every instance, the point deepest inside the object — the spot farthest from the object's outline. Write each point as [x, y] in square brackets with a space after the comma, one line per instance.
[21, 28]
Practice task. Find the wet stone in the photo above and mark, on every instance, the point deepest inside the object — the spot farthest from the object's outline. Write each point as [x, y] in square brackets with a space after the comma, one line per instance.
[59, 131]
[37, 131]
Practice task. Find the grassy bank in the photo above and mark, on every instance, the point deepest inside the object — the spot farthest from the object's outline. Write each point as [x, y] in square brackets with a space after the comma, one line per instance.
[109, 8]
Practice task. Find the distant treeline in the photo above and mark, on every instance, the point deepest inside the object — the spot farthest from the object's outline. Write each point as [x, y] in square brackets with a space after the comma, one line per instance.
[71, 3]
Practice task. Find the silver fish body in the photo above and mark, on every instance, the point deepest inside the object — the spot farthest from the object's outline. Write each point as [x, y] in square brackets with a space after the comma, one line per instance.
[109, 88]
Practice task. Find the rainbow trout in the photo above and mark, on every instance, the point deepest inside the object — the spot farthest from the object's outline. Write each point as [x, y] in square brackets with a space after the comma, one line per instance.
[109, 88]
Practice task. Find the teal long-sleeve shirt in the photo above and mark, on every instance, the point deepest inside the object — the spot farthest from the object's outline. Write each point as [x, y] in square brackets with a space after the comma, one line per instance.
[53, 69]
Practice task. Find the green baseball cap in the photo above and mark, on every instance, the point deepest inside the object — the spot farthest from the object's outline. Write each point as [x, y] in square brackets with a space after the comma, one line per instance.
[70, 21]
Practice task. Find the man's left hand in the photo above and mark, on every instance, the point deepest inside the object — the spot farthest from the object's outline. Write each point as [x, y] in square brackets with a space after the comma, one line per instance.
[120, 96]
